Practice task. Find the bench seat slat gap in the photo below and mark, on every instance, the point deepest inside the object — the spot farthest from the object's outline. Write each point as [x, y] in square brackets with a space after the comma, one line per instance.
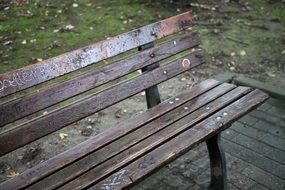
[165, 133]
[130, 139]
[181, 143]
[70, 156]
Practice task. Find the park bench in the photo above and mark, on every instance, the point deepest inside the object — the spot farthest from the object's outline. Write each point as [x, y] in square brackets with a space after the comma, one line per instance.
[125, 154]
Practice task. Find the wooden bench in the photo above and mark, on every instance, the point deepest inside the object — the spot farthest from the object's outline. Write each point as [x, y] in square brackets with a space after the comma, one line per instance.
[131, 151]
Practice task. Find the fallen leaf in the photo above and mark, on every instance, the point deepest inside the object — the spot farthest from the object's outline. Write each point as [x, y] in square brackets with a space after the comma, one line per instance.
[7, 43]
[69, 27]
[12, 174]
[271, 74]
[75, 5]
[86, 132]
[63, 135]
[242, 53]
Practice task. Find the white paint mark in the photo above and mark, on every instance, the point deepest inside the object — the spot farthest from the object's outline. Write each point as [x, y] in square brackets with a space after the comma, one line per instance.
[115, 181]
[186, 63]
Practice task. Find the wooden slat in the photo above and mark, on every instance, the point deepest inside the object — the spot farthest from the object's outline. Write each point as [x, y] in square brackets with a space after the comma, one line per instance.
[32, 103]
[52, 165]
[182, 143]
[60, 118]
[114, 148]
[158, 133]
[40, 72]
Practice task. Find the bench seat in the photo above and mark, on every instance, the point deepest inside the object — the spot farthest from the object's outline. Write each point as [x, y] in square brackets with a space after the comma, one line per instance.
[125, 154]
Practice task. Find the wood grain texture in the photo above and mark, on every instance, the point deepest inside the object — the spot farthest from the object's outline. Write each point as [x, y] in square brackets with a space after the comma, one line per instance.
[182, 143]
[81, 150]
[39, 100]
[43, 71]
[133, 137]
[60, 118]
[155, 134]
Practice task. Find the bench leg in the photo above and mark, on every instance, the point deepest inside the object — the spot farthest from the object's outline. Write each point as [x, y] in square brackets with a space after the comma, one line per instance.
[152, 93]
[217, 163]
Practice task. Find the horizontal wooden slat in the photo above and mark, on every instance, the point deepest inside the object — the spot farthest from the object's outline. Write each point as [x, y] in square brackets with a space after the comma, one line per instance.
[40, 72]
[58, 119]
[155, 137]
[32, 103]
[182, 143]
[66, 158]
[135, 136]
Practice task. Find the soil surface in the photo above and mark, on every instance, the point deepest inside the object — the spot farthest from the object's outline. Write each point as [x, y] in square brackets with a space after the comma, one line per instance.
[244, 37]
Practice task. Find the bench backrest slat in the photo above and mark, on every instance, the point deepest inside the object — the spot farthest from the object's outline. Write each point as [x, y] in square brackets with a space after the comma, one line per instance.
[37, 101]
[60, 118]
[43, 71]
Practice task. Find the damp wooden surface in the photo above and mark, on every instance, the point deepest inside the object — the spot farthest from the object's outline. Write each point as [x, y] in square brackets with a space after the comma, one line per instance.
[47, 97]
[60, 118]
[81, 150]
[130, 139]
[153, 160]
[138, 140]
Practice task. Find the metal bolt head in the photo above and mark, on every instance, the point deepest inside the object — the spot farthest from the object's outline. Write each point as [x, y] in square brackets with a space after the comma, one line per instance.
[186, 108]
[219, 118]
[176, 99]
[225, 113]
[171, 102]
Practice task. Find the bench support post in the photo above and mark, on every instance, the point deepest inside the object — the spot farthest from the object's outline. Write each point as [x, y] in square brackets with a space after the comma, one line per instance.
[151, 93]
[217, 163]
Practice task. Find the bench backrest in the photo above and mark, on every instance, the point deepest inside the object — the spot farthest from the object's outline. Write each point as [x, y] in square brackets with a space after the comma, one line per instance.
[82, 106]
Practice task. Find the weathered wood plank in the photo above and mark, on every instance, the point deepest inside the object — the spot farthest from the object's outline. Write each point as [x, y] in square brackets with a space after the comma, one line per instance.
[32, 103]
[157, 133]
[58, 119]
[96, 158]
[179, 145]
[68, 157]
[40, 72]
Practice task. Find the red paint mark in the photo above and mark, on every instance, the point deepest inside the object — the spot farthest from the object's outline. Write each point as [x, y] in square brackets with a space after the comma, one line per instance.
[186, 63]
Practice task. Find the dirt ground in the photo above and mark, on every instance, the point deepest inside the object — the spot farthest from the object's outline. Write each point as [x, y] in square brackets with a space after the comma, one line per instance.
[244, 37]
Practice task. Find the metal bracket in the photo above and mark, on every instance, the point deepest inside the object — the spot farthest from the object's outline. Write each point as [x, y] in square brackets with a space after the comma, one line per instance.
[152, 93]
